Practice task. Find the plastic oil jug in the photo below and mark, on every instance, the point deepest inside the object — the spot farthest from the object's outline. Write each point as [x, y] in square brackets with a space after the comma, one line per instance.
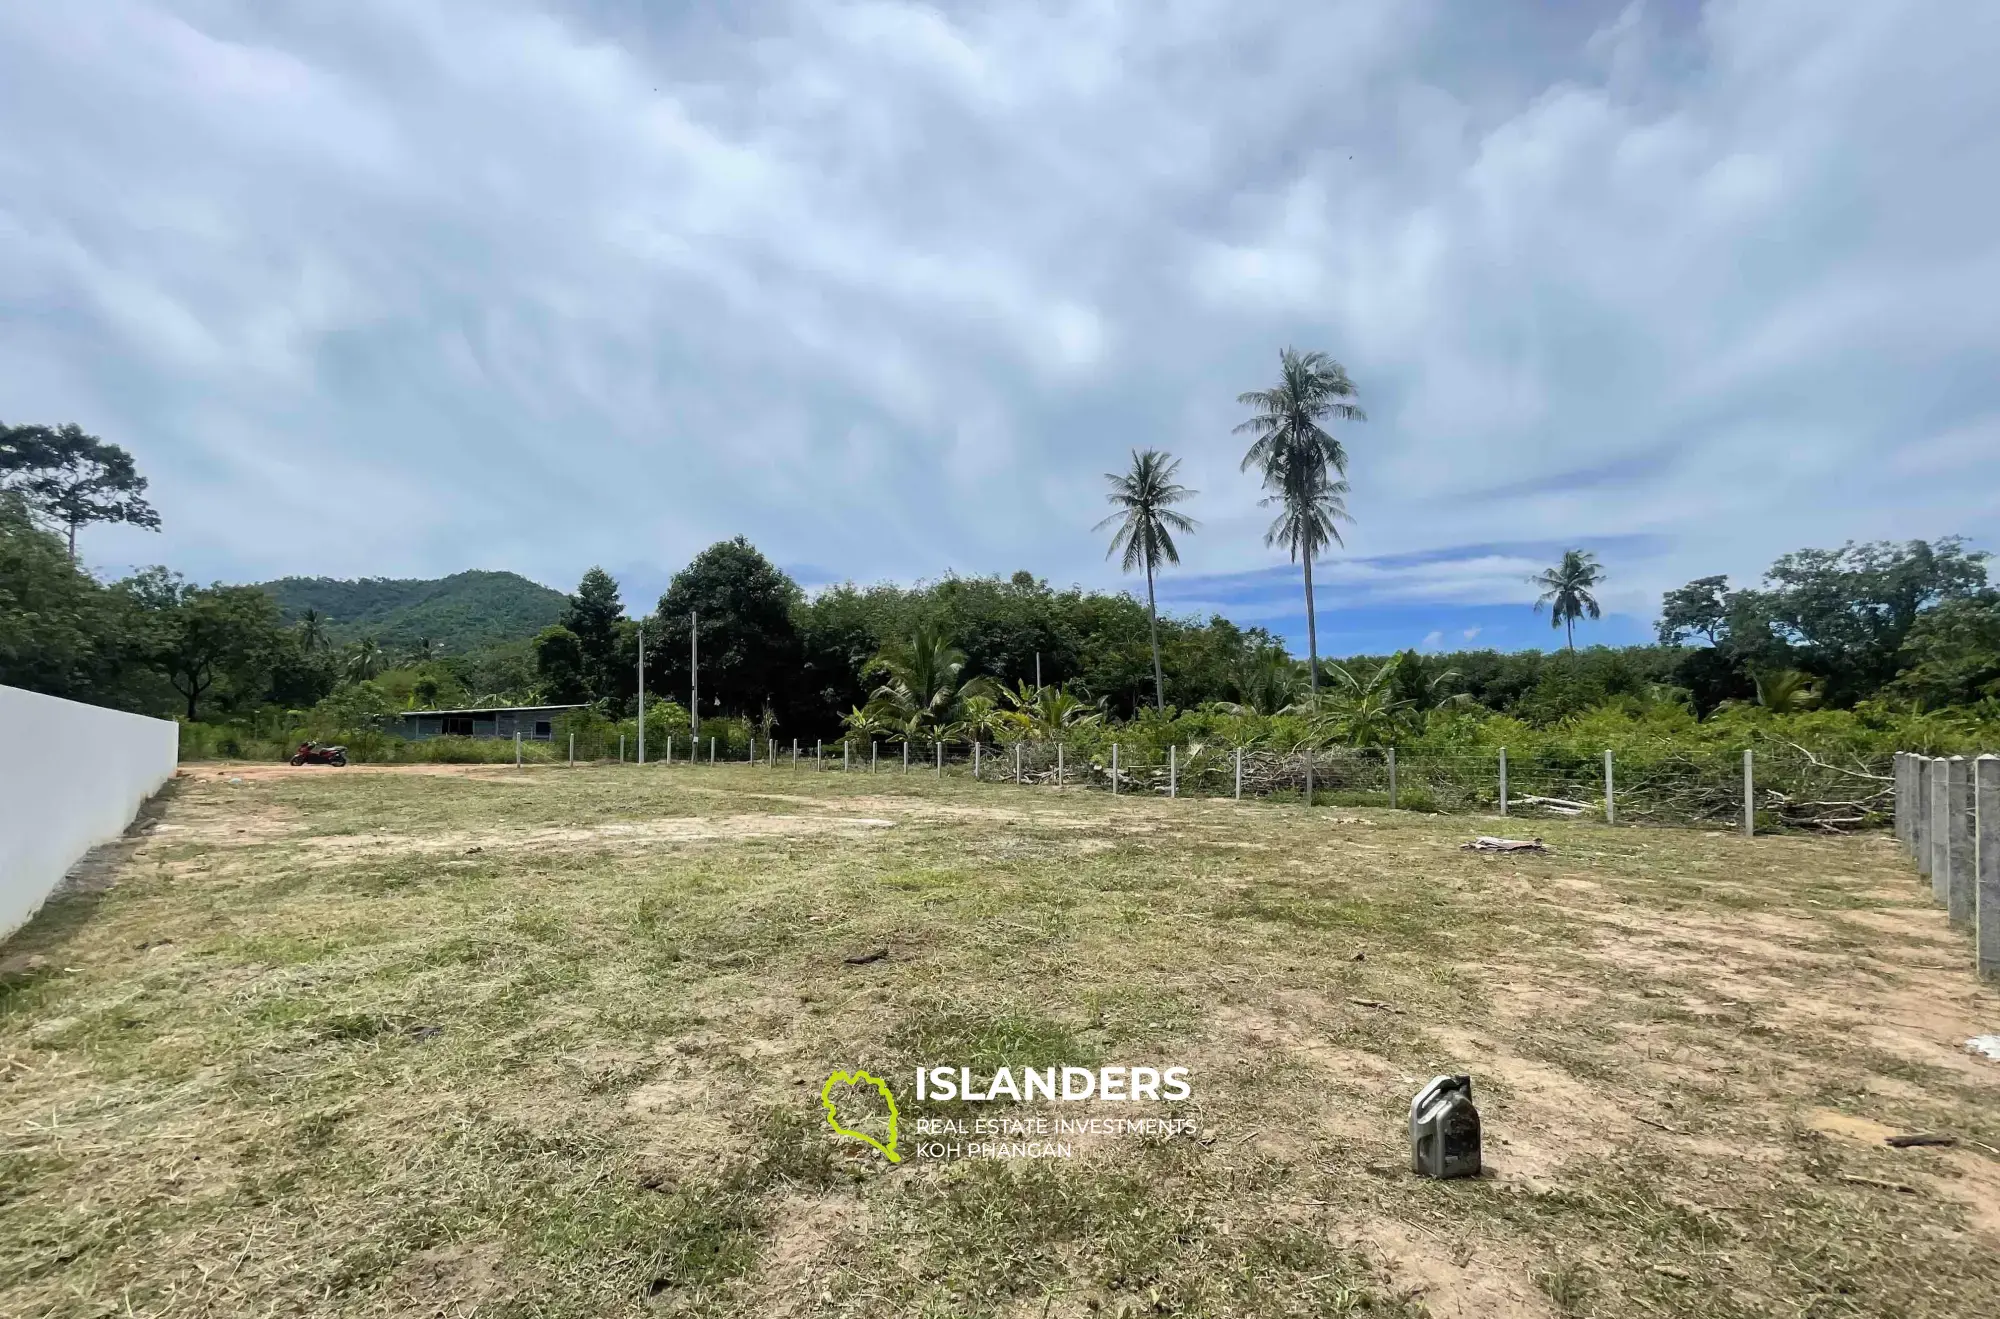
[1444, 1129]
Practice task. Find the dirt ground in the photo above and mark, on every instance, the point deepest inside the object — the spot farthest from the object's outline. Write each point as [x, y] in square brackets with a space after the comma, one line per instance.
[477, 1040]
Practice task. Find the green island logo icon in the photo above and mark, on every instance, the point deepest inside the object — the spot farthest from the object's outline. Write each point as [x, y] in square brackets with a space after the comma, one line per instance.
[826, 1101]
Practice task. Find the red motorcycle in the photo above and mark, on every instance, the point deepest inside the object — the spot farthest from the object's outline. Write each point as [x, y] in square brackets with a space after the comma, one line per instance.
[312, 753]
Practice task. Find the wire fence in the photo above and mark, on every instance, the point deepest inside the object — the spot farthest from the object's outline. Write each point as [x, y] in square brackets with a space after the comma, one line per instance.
[1780, 787]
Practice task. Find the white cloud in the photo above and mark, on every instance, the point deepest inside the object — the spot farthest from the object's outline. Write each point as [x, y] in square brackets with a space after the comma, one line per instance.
[887, 286]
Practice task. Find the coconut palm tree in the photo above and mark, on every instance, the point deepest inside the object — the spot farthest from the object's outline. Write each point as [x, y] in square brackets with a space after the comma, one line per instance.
[1302, 463]
[921, 688]
[1785, 691]
[1146, 521]
[364, 660]
[312, 631]
[1566, 590]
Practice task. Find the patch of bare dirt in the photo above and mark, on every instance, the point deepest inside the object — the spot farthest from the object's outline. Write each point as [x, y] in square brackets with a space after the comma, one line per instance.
[447, 1281]
[1469, 1280]
[1954, 1173]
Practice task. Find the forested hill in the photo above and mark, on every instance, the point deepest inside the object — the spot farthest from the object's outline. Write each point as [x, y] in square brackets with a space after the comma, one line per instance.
[463, 612]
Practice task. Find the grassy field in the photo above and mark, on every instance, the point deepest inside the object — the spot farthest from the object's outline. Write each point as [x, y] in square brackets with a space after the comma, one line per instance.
[550, 1042]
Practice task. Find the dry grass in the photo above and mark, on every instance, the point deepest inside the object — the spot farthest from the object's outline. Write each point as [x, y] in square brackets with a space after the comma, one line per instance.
[549, 1042]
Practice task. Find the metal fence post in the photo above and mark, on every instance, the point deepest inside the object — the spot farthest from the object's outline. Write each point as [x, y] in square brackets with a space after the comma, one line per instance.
[1173, 771]
[1986, 847]
[1114, 769]
[1964, 865]
[1503, 780]
[517, 749]
[1920, 813]
[1392, 778]
[1239, 773]
[1749, 793]
[1940, 830]
[1610, 791]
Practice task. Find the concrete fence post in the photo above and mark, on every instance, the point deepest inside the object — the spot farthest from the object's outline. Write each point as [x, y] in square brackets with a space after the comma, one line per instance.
[1114, 769]
[1901, 776]
[939, 744]
[1749, 793]
[795, 753]
[1309, 776]
[1017, 764]
[1173, 771]
[819, 748]
[621, 748]
[1920, 813]
[906, 755]
[1610, 791]
[1503, 780]
[1986, 848]
[1392, 778]
[1239, 773]
[517, 749]
[874, 755]
[1959, 889]
[975, 759]
[670, 748]
[1059, 764]
[572, 750]
[1940, 829]
[711, 751]
[846, 754]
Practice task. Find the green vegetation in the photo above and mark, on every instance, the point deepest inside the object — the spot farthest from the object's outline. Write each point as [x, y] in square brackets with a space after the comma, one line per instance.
[551, 1042]
[459, 614]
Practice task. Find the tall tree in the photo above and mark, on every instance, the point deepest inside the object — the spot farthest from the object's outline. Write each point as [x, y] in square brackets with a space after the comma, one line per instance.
[592, 615]
[1566, 590]
[205, 636]
[1303, 464]
[749, 643]
[365, 659]
[72, 478]
[312, 631]
[1144, 497]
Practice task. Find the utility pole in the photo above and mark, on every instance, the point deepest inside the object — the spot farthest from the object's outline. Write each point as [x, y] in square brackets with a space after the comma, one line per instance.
[642, 693]
[694, 677]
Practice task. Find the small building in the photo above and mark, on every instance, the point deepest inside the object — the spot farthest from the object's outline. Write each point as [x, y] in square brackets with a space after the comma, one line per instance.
[535, 723]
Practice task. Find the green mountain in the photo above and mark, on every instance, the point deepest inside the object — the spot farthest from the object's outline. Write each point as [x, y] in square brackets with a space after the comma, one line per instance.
[464, 612]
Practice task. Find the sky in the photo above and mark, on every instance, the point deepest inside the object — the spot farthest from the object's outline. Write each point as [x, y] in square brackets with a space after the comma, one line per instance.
[395, 289]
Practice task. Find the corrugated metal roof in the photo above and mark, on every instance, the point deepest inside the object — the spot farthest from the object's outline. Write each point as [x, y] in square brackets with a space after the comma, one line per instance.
[491, 709]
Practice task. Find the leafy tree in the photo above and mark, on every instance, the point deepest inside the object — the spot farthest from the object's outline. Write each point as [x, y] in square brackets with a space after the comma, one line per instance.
[749, 644]
[55, 624]
[1566, 591]
[1952, 653]
[205, 636]
[1303, 465]
[1701, 606]
[73, 478]
[592, 616]
[1146, 521]
[561, 666]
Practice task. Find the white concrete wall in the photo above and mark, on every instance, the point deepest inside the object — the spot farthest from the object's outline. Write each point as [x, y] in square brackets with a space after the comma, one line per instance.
[71, 776]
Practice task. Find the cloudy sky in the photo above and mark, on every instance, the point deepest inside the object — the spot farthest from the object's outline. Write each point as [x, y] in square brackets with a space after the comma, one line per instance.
[389, 288]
